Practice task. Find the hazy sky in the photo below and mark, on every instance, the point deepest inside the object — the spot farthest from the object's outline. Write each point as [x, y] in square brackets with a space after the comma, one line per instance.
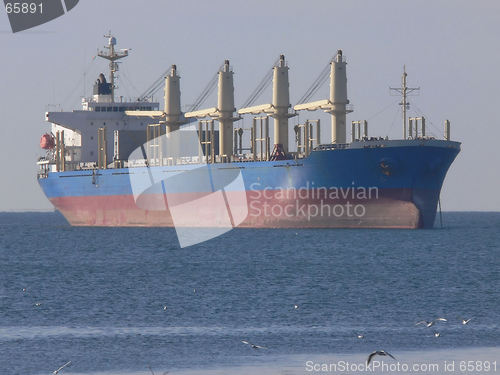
[451, 50]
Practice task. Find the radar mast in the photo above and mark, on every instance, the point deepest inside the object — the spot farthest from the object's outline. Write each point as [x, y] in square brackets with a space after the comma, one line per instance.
[112, 55]
[404, 90]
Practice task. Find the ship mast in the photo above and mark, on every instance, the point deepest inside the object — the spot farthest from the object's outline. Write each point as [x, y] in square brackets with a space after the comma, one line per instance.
[112, 56]
[404, 90]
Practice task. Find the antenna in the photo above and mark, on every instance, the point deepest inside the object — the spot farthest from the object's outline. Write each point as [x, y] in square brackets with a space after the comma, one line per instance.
[404, 91]
[112, 56]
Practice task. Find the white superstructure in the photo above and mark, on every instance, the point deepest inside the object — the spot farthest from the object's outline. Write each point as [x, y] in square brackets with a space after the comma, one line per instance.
[101, 111]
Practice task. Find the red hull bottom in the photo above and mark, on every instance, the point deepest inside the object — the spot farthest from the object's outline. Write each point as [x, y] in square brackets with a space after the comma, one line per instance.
[390, 209]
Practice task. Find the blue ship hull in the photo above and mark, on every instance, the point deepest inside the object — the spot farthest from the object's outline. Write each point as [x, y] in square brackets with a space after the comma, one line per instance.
[369, 184]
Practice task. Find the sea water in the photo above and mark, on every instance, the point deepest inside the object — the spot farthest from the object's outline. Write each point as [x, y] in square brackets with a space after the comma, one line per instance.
[121, 300]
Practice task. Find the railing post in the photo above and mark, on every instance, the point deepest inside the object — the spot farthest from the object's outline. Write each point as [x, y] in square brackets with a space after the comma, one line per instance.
[306, 138]
[268, 139]
[447, 130]
[318, 132]
[212, 144]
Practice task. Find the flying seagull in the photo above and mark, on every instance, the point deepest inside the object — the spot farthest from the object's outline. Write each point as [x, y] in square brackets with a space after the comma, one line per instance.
[253, 345]
[466, 321]
[378, 352]
[60, 368]
[432, 322]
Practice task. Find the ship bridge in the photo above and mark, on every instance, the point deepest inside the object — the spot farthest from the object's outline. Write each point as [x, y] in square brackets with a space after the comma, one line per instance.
[122, 106]
[102, 119]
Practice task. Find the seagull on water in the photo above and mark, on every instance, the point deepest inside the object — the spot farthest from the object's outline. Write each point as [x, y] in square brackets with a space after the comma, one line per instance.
[253, 346]
[437, 334]
[378, 352]
[295, 307]
[466, 321]
[432, 322]
[60, 368]
[360, 336]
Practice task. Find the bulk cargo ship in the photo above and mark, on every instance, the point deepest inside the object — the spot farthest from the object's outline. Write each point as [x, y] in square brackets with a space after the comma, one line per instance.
[128, 163]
